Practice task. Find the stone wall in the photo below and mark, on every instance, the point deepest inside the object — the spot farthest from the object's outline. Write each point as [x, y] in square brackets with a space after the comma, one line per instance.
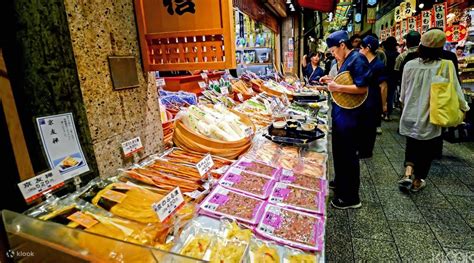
[101, 28]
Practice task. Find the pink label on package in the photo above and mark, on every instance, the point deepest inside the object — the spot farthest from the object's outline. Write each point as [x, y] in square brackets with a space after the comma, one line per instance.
[281, 192]
[289, 179]
[272, 220]
[219, 199]
[245, 164]
[234, 178]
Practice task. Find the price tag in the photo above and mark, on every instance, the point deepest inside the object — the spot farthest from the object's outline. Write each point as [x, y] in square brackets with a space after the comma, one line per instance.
[169, 204]
[82, 219]
[224, 90]
[273, 104]
[268, 106]
[227, 71]
[240, 97]
[248, 131]
[160, 82]
[202, 84]
[280, 103]
[132, 146]
[205, 164]
[35, 187]
[204, 75]
[205, 71]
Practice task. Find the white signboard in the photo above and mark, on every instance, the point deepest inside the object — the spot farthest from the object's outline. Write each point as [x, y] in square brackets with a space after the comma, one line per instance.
[169, 204]
[205, 164]
[224, 90]
[160, 82]
[61, 145]
[34, 188]
[132, 146]
[202, 84]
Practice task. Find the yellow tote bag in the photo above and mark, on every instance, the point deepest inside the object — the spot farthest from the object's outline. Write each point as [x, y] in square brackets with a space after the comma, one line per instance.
[444, 101]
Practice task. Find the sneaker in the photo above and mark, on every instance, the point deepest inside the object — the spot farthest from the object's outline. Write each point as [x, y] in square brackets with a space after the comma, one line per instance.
[332, 184]
[405, 183]
[417, 185]
[379, 130]
[340, 204]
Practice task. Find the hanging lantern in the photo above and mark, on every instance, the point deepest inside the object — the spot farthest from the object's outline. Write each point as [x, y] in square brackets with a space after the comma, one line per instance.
[319, 5]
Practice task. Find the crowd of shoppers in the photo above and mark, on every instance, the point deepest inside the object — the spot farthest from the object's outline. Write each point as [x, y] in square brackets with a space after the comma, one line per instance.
[390, 78]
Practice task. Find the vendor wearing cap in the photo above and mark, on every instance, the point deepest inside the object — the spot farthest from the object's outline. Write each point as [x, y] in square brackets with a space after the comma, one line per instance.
[375, 104]
[346, 123]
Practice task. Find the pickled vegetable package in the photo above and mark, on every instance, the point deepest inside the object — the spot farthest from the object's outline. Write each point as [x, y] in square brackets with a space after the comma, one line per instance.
[249, 183]
[228, 203]
[298, 198]
[289, 227]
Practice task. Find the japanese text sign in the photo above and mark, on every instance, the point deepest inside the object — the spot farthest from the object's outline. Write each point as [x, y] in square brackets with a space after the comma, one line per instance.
[425, 20]
[169, 204]
[132, 146]
[439, 14]
[412, 24]
[205, 164]
[61, 144]
[34, 188]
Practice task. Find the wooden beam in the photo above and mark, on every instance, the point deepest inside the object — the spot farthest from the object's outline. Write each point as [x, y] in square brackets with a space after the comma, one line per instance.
[22, 157]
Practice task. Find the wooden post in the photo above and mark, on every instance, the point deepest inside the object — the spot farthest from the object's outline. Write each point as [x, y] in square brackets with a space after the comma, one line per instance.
[22, 157]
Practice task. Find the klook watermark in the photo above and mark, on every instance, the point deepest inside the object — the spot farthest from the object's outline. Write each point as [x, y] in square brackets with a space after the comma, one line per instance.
[19, 253]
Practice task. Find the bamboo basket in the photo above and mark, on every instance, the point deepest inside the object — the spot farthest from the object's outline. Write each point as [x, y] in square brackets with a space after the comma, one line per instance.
[187, 139]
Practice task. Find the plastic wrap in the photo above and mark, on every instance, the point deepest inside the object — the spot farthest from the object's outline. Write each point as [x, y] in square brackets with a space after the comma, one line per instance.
[298, 256]
[249, 183]
[293, 228]
[248, 165]
[76, 213]
[263, 252]
[264, 150]
[298, 198]
[304, 181]
[228, 203]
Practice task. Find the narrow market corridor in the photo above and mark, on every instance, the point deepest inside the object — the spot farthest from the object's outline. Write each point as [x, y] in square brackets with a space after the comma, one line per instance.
[434, 225]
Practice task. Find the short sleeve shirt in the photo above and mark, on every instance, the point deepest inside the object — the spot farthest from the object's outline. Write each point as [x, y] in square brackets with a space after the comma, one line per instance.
[378, 75]
[313, 75]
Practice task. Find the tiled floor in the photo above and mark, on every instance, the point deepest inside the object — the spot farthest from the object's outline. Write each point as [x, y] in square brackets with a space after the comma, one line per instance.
[434, 225]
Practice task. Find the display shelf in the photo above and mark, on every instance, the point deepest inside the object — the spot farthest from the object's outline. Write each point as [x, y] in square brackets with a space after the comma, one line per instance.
[255, 64]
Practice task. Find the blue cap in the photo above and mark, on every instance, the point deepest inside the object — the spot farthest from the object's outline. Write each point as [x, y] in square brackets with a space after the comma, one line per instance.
[336, 38]
[371, 42]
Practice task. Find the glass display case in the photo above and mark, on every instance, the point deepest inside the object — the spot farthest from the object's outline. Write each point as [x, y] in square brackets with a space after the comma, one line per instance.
[33, 240]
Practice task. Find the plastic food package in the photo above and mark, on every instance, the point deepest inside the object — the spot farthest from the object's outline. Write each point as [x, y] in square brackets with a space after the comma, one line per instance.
[249, 165]
[310, 169]
[224, 250]
[264, 150]
[228, 203]
[304, 181]
[315, 157]
[263, 252]
[293, 228]
[250, 183]
[298, 198]
[298, 256]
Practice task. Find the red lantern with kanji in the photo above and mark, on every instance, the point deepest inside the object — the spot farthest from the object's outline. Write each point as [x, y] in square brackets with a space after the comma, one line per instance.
[319, 5]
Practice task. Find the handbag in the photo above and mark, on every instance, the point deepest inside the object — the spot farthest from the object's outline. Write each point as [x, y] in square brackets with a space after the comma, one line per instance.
[444, 101]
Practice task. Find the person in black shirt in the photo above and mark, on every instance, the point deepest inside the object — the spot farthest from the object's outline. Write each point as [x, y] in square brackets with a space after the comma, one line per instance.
[390, 46]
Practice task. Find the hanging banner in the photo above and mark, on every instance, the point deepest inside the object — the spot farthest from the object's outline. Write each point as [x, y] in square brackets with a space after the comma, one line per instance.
[403, 28]
[357, 28]
[398, 15]
[382, 34]
[425, 21]
[456, 33]
[412, 24]
[398, 31]
[440, 12]
[410, 8]
[371, 15]
[418, 23]
[403, 7]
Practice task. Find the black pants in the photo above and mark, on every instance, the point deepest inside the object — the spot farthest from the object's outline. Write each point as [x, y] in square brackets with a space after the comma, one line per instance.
[346, 161]
[368, 132]
[420, 154]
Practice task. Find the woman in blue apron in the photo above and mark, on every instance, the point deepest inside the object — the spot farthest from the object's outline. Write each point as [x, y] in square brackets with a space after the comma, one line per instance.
[376, 99]
[346, 123]
[312, 71]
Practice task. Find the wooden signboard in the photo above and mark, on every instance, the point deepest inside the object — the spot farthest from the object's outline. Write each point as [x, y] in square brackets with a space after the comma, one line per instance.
[186, 35]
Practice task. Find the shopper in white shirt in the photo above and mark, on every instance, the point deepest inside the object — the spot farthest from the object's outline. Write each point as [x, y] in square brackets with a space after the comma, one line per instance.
[423, 138]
